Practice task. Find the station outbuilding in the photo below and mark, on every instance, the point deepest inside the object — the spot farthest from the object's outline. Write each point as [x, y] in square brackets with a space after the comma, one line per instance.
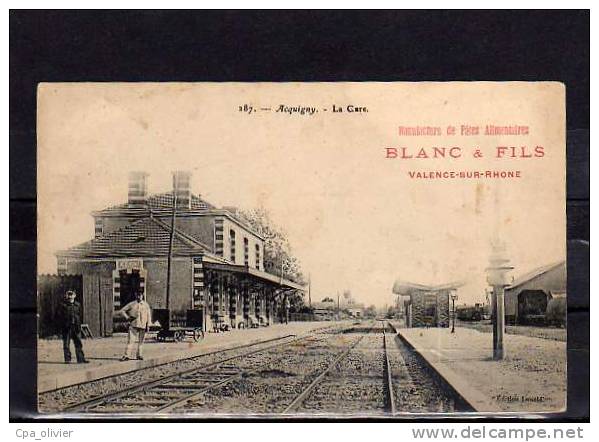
[526, 299]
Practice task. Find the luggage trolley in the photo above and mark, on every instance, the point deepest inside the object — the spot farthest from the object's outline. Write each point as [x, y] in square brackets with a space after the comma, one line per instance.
[194, 326]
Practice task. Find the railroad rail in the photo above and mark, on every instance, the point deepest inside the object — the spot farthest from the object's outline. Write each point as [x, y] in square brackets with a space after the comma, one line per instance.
[340, 373]
[85, 405]
[388, 375]
[297, 403]
[245, 372]
[166, 393]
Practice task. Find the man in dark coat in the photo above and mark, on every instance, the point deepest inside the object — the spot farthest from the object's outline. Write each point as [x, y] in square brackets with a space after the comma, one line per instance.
[70, 322]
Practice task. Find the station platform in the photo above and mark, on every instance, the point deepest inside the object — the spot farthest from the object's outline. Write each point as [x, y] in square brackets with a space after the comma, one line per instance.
[532, 377]
[104, 353]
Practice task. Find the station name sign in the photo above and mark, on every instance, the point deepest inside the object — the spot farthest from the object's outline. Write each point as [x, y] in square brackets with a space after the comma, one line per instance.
[129, 264]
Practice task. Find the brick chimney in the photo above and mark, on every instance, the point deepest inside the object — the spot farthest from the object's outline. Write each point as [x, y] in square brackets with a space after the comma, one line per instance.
[182, 188]
[138, 190]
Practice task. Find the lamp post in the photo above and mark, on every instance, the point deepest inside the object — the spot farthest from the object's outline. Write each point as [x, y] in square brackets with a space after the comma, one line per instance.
[454, 296]
[497, 277]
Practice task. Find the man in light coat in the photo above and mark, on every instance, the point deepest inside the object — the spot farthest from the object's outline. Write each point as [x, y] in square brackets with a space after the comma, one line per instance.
[139, 315]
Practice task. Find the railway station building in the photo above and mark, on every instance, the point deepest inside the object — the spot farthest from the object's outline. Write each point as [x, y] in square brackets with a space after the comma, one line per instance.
[425, 306]
[216, 259]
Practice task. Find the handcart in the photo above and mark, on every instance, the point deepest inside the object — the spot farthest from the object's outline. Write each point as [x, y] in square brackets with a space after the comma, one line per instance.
[194, 326]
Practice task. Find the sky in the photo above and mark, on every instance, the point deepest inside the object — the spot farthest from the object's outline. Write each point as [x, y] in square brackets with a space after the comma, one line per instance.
[355, 219]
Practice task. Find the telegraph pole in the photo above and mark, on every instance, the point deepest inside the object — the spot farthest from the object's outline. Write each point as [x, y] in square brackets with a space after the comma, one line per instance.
[170, 245]
[309, 291]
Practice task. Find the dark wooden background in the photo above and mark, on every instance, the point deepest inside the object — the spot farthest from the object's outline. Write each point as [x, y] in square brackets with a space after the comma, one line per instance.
[292, 46]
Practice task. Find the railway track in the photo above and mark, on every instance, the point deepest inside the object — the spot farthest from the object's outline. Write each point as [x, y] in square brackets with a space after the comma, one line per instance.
[170, 392]
[77, 397]
[360, 370]
[303, 396]
[358, 381]
[268, 364]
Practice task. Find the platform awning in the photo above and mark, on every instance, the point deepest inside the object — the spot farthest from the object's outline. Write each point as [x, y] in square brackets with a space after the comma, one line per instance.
[258, 274]
[405, 288]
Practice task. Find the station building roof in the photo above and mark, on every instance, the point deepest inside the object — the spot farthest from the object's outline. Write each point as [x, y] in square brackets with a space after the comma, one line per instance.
[150, 237]
[162, 205]
[142, 238]
[156, 203]
[539, 271]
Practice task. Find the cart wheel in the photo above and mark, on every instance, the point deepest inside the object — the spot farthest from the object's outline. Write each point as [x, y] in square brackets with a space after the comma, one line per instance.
[198, 334]
[177, 337]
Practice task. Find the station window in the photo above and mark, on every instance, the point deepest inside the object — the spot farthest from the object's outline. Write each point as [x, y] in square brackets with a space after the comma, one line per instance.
[198, 296]
[232, 242]
[99, 227]
[258, 256]
[246, 251]
[218, 237]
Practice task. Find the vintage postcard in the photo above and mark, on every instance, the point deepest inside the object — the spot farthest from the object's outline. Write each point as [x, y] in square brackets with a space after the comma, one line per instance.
[301, 249]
